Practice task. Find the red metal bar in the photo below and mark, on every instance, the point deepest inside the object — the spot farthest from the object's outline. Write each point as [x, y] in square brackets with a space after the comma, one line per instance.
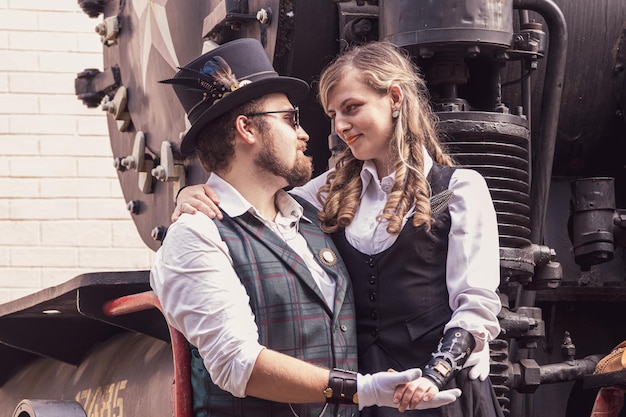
[181, 387]
[131, 303]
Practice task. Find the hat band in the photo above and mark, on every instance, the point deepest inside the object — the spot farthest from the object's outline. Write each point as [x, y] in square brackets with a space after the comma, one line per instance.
[213, 98]
[247, 77]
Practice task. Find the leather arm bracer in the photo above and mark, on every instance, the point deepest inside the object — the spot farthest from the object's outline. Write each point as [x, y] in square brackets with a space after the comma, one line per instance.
[342, 387]
[452, 352]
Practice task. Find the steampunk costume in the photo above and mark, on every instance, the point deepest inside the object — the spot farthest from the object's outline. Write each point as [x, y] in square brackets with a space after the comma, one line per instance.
[290, 312]
[395, 333]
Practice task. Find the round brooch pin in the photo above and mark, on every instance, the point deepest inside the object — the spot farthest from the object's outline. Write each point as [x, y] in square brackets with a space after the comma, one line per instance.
[328, 257]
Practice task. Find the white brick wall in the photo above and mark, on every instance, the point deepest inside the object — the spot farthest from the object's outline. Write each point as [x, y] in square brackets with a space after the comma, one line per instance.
[61, 207]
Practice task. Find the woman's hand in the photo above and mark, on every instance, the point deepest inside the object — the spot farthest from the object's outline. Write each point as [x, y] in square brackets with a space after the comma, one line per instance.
[421, 394]
[479, 362]
[409, 395]
[196, 198]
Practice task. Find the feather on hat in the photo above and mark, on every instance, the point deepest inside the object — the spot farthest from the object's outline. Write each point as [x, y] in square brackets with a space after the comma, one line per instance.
[227, 77]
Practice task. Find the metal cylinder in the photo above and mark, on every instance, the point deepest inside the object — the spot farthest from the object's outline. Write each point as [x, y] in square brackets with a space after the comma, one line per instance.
[593, 208]
[447, 22]
[497, 146]
[49, 408]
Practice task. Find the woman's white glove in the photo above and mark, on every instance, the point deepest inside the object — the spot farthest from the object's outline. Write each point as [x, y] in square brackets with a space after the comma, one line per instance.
[479, 362]
[444, 397]
[378, 389]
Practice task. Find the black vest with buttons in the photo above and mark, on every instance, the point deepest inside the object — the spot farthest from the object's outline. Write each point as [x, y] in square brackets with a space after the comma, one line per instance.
[400, 294]
[402, 308]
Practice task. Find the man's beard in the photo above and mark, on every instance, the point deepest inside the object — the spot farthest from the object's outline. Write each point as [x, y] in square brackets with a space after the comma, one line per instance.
[296, 175]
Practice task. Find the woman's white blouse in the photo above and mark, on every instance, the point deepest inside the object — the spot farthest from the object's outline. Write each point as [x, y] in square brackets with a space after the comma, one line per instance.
[473, 261]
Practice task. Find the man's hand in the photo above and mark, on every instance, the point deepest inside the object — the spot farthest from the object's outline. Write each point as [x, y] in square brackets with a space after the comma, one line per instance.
[378, 389]
[196, 198]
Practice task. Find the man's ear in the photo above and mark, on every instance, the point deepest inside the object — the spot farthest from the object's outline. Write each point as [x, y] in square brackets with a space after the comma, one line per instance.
[245, 129]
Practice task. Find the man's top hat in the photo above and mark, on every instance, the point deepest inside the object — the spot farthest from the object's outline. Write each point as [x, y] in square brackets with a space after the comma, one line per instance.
[224, 78]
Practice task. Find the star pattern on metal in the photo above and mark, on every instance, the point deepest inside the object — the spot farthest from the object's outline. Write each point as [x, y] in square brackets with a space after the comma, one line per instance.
[155, 32]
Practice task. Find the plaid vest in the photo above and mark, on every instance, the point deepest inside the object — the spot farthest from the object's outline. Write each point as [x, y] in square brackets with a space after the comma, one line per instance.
[289, 310]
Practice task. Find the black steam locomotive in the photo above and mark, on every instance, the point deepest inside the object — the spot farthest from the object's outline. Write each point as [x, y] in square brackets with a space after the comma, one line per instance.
[530, 93]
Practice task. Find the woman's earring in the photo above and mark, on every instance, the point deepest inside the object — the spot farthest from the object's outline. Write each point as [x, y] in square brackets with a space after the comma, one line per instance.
[395, 113]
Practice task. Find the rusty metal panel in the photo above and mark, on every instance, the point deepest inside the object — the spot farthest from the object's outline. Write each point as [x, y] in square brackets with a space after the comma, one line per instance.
[128, 375]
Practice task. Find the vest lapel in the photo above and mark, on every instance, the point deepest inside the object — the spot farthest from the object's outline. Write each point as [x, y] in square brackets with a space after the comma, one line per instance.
[283, 251]
[319, 241]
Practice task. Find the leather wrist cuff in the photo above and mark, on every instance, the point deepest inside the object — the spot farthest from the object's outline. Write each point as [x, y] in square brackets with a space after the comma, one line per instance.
[454, 348]
[341, 387]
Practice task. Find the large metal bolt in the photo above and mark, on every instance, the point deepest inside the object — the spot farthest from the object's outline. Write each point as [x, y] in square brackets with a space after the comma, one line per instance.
[133, 206]
[264, 16]
[109, 106]
[117, 164]
[160, 173]
[101, 29]
[129, 162]
[158, 233]
[362, 27]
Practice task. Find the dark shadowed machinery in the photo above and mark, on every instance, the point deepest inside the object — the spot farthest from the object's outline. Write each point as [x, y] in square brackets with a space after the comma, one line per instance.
[530, 93]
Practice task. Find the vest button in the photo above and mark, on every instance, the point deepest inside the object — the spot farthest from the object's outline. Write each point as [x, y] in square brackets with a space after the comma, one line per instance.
[373, 280]
[344, 328]
[375, 332]
[374, 314]
[371, 262]
[373, 296]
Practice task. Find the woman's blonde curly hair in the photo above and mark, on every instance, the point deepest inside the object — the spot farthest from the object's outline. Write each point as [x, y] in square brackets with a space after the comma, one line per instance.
[381, 65]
